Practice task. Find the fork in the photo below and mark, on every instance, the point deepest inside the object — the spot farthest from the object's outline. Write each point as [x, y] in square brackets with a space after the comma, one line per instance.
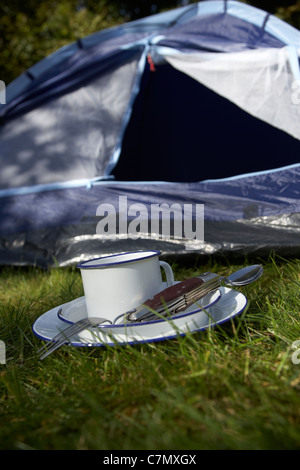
[177, 298]
[65, 335]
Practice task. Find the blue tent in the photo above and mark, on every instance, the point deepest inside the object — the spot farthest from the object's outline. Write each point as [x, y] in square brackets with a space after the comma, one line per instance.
[197, 107]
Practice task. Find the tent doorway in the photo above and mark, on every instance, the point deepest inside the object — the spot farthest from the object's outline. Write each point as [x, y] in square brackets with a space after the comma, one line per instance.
[181, 131]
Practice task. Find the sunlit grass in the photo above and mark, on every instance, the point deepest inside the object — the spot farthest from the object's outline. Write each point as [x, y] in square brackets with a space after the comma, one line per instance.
[231, 387]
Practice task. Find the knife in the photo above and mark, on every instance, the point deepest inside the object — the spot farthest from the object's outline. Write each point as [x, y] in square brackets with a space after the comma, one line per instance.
[176, 298]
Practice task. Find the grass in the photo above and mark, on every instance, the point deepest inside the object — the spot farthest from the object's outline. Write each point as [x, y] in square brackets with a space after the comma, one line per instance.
[232, 387]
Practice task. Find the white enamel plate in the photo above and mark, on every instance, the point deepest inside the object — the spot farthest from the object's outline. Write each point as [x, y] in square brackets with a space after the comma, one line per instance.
[230, 304]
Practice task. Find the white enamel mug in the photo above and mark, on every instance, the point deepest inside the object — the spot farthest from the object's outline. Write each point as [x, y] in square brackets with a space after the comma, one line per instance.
[117, 283]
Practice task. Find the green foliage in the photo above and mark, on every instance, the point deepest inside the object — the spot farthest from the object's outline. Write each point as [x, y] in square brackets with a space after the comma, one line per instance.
[290, 14]
[32, 30]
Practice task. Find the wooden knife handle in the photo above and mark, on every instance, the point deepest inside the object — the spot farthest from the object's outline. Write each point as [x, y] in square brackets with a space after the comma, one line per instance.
[171, 293]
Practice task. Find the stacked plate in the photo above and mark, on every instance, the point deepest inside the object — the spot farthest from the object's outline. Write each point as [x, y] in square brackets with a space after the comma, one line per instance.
[223, 304]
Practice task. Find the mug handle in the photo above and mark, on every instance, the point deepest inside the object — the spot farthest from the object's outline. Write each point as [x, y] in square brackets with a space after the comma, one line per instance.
[169, 273]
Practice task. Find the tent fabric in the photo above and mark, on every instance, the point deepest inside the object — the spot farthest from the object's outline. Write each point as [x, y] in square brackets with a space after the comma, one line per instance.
[242, 216]
[190, 106]
[252, 79]
[220, 139]
[47, 146]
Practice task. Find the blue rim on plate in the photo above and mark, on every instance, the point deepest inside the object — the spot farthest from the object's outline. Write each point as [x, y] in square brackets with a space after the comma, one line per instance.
[159, 320]
[234, 302]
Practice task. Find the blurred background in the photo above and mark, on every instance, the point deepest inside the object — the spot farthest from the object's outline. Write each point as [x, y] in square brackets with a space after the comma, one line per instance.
[33, 29]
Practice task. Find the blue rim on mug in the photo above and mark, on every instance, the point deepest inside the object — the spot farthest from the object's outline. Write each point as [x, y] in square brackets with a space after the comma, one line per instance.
[148, 254]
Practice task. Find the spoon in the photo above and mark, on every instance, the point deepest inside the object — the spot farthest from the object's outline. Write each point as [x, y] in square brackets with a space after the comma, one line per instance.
[243, 276]
[179, 297]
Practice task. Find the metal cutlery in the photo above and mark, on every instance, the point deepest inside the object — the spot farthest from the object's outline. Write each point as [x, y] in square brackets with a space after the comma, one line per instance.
[175, 299]
[243, 276]
[179, 297]
[167, 303]
[65, 335]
